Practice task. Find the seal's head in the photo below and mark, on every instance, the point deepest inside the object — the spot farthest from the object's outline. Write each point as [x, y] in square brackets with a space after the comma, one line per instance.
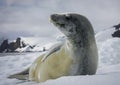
[71, 24]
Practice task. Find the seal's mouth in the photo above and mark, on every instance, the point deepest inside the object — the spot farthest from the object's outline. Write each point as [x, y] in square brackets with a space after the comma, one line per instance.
[60, 24]
[56, 21]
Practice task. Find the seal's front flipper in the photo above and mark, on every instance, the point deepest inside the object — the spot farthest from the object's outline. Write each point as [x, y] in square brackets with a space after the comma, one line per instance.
[21, 76]
[53, 49]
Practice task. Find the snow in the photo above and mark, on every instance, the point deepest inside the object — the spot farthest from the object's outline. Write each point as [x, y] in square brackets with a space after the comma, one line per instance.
[108, 72]
[109, 52]
[39, 43]
[104, 35]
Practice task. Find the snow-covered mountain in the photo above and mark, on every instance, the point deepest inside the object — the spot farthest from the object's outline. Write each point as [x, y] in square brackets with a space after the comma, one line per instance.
[31, 44]
[108, 72]
[35, 44]
[38, 43]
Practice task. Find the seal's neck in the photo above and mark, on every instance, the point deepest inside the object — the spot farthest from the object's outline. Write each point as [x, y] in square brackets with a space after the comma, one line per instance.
[78, 40]
[82, 38]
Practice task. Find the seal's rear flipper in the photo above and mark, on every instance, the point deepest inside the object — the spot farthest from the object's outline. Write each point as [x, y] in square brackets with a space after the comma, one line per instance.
[21, 76]
[18, 76]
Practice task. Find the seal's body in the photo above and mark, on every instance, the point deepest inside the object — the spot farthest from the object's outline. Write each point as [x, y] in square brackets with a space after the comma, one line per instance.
[77, 56]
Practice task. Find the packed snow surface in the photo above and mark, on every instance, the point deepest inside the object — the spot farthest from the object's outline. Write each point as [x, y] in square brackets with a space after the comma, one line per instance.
[108, 72]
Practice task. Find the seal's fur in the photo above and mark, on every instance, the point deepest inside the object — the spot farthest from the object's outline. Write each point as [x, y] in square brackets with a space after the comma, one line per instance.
[77, 56]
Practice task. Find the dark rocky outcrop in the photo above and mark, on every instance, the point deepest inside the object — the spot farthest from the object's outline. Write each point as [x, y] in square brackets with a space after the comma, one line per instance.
[116, 34]
[18, 42]
[12, 46]
[4, 46]
[23, 44]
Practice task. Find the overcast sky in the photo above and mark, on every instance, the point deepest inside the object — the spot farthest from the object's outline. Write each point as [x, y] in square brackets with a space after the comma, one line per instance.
[31, 17]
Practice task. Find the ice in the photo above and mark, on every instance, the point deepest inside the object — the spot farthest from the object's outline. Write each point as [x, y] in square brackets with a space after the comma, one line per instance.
[108, 72]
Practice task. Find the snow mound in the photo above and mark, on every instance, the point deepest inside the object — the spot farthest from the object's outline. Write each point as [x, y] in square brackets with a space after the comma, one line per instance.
[108, 48]
[109, 52]
[104, 35]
